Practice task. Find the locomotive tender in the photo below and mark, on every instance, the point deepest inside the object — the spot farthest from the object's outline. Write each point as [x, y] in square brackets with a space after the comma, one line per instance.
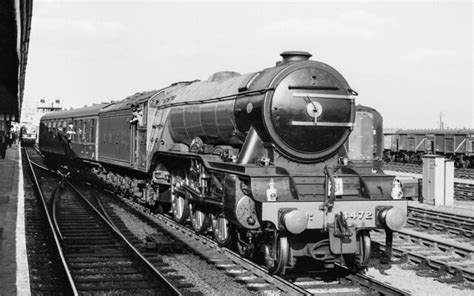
[364, 148]
[255, 159]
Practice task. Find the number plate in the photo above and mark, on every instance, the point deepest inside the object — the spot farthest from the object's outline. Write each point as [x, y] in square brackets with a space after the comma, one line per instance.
[358, 215]
[339, 186]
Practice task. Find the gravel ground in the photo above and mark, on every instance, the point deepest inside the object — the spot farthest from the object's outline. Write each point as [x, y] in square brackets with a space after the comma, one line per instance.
[206, 277]
[137, 227]
[408, 280]
[211, 281]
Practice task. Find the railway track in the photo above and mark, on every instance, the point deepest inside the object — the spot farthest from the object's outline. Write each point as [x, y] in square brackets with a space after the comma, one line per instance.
[462, 190]
[95, 257]
[460, 173]
[252, 275]
[256, 277]
[442, 256]
[43, 261]
[458, 225]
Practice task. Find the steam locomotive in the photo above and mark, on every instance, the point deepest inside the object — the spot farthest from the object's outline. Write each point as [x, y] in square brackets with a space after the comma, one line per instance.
[256, 160]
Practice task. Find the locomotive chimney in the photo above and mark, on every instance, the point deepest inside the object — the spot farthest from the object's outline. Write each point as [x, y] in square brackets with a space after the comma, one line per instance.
[294, 56]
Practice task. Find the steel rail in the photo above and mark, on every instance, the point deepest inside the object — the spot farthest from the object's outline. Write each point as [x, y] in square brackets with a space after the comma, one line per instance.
[432, 262]
[147, 263]
[37, 150]
[460, 218]
[276, 281]
[461, 221]
[459, 249]
[102, 208]
[381, 287]
[417, 168]
[40, 166]
[72, 285]
[55, 218]
[260, 271]
[107, 221]
[54, 203]
[440, 226]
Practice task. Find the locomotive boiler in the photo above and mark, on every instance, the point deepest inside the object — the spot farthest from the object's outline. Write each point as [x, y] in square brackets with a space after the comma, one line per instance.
[254, 159]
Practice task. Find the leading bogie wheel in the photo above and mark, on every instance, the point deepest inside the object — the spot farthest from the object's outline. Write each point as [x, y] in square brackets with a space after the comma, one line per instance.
[359, 261]
[277, 254]
[199, 220]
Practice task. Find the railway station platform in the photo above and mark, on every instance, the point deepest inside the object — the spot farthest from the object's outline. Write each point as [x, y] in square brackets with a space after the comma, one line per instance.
[14, 275]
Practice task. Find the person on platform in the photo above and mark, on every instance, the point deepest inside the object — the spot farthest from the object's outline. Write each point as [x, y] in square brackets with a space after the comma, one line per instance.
[3, 144]
[9, 134]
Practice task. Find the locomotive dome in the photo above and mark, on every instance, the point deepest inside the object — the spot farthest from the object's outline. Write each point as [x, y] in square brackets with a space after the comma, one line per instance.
[311, 111]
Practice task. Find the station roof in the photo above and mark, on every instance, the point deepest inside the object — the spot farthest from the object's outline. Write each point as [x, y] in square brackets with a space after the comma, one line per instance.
[15, 24]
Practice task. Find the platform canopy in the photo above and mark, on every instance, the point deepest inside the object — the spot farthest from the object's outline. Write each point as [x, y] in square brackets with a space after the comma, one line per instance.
[15, 24]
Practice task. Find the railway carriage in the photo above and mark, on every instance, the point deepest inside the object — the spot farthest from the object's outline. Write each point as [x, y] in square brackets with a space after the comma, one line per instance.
[70, 133]
[410, 145]
[28, 135]
[254, 159]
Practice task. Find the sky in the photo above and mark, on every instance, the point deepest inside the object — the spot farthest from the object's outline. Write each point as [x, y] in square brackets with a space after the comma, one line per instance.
[409, 60]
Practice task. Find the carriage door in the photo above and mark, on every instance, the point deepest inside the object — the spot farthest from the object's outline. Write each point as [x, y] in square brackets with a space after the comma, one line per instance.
[139, 140]
[430, 144]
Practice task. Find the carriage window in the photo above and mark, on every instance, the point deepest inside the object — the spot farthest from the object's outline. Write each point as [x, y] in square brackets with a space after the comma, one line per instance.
[144, 114]
[85, 132]
[74, 128]
[79, 134]
[92, 134]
